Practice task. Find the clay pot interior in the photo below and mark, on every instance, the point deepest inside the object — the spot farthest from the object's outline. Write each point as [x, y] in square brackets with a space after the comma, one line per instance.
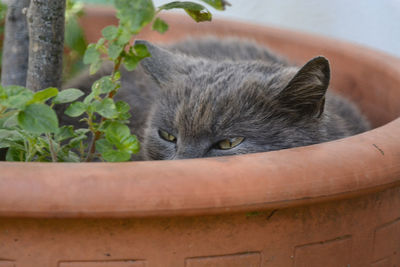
[356, 81]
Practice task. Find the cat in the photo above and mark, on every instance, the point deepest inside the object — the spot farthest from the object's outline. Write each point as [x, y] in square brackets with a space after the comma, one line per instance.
[218, 97]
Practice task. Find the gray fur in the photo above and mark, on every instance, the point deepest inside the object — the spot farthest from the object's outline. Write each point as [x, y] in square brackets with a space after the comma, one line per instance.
[205, 91]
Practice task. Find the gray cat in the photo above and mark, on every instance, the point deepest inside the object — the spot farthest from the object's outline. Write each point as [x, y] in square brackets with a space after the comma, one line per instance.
[212, 97]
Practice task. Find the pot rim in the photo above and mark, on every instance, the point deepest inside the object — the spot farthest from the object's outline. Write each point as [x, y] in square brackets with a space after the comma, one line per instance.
[340, 169]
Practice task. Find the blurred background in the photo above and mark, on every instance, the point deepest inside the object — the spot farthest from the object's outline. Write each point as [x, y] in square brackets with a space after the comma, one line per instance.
[373, 23]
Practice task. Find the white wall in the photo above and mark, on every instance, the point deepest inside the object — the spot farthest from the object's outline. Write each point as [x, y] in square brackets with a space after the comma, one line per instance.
[374, 23]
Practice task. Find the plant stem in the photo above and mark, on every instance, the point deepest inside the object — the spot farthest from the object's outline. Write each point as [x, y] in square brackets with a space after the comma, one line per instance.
[117, 65]
[92, 146]
[27, 149]
[81, 151]
[53, 153]
[97, 134]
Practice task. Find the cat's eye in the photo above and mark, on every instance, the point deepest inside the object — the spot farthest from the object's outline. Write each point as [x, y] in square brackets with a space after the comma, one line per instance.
[167, 136]
[229, 143]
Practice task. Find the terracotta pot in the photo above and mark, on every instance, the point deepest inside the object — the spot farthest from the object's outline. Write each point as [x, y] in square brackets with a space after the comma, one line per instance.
[331, 204]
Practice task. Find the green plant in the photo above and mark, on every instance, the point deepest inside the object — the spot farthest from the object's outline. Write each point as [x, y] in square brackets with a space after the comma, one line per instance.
[29, 126]
[75, 41]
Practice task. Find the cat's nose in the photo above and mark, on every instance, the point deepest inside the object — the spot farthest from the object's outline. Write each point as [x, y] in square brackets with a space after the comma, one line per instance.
[186, 156]
[190, 153]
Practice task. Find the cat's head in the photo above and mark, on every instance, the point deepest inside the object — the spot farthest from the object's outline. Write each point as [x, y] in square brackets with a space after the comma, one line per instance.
[207, 108]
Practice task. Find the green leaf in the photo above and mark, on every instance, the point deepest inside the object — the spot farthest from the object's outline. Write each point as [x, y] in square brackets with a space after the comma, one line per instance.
[130, 144]
[38, 118]
[120, 136]
[94, 67]
[160, 25]
[5, 143]
[9, 138]
[183, 5]
[15, 97]
[124, 117]
[199, 16]
[141, 51]
[117, 75]
[14, 154]
[123, 110]
[131, 61]
[66, 155]
[100, 43]
[106, 108]
[103, 145]
[67, 96]
[105, 148]
[196, 11]
[64, 133]
[82, 131]
[43, 95]
[116, 131]
[217, 4]
[116, 156]
[117, 135]
[115, 49]
[19, 101]
[88, 99]
[80, 135]
[133, 57]
[104, 124]
[75, 109]
[18, 144]
[3, 94]
[91, 55]
[135, 14]
[16, 90]
[12, 135]
[74, 142]
[10, 122]
[122, 106]
[110, 32]
[124, 37]
[74, 36]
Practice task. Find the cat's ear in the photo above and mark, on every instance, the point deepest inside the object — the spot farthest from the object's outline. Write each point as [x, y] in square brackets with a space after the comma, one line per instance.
[162, 63]
[305, 93]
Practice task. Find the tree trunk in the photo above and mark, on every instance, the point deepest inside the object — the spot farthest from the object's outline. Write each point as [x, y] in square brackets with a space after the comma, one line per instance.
[46, 32]
[16, 42]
